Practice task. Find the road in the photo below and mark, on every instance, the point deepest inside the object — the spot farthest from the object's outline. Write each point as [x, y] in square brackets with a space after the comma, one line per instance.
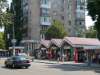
[49, 68]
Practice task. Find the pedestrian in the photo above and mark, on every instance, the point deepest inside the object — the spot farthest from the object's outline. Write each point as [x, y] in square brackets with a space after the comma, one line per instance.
[49, 55]
[99, 58]
[58, 56]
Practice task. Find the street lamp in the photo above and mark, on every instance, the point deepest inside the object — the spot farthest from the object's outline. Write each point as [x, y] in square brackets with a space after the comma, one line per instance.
[13, 40]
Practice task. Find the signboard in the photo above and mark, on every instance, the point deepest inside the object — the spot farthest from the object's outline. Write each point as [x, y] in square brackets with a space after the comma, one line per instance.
[54, 47]
[66, 47]
[13, 40]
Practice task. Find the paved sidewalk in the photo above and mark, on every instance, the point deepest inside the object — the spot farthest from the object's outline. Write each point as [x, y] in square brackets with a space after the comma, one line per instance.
[2, 60]
[69, 62]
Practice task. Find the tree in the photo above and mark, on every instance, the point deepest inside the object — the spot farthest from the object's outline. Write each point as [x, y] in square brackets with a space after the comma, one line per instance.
[5, 20]
[93, 7]
[56, 31]
[80, 32]
[3, 5]
[2, 43]
[18, 21]
[91, 32]
[8, 24]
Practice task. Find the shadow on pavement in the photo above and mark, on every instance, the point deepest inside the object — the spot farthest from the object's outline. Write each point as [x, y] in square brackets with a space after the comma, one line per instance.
[44, 62]
[74, 67]
[16, 68]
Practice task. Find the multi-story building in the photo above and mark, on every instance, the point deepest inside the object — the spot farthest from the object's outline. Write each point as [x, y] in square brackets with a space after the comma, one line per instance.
[80, 15]
[39, 14]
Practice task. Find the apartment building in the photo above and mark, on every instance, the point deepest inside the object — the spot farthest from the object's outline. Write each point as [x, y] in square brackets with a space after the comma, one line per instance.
[39, 14]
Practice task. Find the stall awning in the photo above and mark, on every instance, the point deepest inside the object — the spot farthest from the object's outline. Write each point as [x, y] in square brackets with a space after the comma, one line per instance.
[45, 43]
[57, 42]
[87, 43]
[91, 47]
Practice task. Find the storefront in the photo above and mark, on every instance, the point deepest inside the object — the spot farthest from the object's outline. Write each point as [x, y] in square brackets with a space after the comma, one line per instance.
[55, 48]
[72, 49]
[82, 49]
[5, 53]
[93, 54]
[44, 50]
[18, 49]
[66, 48]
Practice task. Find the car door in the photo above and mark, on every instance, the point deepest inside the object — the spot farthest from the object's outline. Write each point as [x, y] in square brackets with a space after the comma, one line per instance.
[10, 61]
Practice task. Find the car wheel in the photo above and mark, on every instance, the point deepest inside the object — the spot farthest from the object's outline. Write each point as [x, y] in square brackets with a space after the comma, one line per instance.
[26, 67]
[6, 65]
[13, 66]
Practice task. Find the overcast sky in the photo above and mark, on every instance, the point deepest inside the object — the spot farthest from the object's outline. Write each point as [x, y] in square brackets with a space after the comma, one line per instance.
[89, 21]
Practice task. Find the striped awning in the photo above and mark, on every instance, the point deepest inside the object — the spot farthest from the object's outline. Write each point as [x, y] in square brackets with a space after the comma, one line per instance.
[45, 43]
[83, 42]
[57, 42]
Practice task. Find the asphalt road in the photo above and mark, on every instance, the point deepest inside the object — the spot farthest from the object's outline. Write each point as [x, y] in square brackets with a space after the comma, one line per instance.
[49, 68]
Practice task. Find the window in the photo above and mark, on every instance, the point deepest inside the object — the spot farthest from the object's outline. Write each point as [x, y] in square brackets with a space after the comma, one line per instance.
[62, 17]
[45, 19]
[44, 1]
[44, 11]
[44, 27]
[69, 22]
[80, 23]
[81, 8]
[81, 2]
[42, 36]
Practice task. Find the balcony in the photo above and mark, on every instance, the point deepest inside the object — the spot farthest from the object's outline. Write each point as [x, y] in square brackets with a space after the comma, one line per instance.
[80, 11]
[45, 21]
[45, 6]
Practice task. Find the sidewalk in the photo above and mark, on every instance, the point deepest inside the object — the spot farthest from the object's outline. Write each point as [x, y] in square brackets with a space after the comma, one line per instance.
[69, 62]
[2, 60]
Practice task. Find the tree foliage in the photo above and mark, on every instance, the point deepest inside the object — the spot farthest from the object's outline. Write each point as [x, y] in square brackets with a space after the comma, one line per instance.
[18, 23]
[91, 32]
[2, 43]
[5, 21]
[93, 7]
[56, 31]
[8, 24]
[3, 6]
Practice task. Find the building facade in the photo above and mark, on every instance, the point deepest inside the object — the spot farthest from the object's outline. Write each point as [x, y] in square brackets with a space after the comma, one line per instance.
[38, 15]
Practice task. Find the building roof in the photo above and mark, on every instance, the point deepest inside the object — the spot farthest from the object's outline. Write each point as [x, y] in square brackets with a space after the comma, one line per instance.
[82, 41]
[17, 47]
[29, 41]
[45, 43]
[57, 42]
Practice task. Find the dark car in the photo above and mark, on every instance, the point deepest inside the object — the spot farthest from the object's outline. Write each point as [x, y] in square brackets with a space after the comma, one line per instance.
[18, 61]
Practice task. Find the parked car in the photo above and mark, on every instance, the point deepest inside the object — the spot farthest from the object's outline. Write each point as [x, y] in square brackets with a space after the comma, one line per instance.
[18, 61]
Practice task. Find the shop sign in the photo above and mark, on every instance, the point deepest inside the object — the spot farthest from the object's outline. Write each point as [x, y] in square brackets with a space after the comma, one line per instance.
[66, 47]
[54, 47]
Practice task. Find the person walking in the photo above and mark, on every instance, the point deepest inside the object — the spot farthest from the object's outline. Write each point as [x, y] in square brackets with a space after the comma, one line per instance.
[49, 55]
[99, 58]
[58, 56]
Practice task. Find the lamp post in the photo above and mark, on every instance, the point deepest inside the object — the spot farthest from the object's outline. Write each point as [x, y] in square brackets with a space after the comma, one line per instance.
[13, 40]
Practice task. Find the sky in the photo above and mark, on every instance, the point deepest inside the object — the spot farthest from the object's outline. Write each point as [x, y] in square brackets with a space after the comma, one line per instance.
[9, 1]
[88, 19]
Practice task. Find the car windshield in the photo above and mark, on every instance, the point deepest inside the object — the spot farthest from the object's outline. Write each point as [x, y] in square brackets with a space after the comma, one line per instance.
[19, 58]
